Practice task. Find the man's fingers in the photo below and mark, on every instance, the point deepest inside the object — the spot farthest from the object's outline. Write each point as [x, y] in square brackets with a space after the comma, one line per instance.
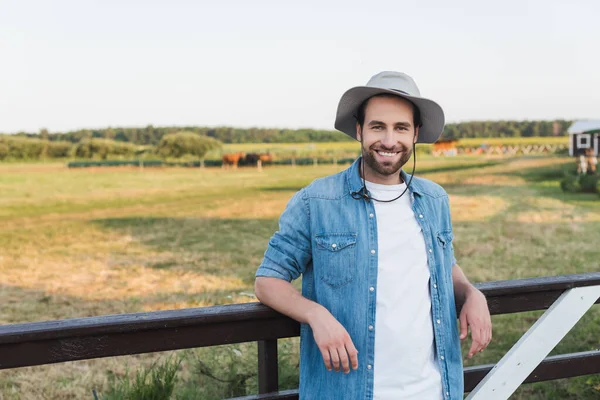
[326, 359]
[335, 359]
[488, 337]
[353, 353]
[477, 341]
[344, 359]
[482, 339]
[474, 346]
[463, 325]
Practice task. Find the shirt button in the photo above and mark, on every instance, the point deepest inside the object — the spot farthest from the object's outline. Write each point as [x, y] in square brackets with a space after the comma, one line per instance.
[370, 327]
[369, 366]
[420, 215]
[442, 357]
[447, 394]
[372, 289]
[431, 250]
[371, 215]
[334, 245]
[438, 321]
[372, 251]
[434, 286]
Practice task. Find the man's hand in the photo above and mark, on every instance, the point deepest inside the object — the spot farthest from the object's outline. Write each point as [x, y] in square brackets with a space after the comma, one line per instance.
[334, 341]
[476, 315]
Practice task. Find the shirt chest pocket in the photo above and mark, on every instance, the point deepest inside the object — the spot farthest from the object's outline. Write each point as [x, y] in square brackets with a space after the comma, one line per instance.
[335, 258]
[445, 242]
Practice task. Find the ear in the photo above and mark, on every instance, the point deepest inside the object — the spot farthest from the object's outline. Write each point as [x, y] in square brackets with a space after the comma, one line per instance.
[416, 135]
[358, 132]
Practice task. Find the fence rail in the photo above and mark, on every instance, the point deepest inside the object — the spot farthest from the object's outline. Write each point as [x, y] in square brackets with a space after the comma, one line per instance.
[40, 343]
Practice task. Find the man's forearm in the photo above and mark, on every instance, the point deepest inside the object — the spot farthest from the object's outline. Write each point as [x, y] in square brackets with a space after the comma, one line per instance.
[282, 296]
[462, 286]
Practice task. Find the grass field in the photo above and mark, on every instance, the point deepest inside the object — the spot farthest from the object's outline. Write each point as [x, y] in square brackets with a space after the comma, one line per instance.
[100, 241]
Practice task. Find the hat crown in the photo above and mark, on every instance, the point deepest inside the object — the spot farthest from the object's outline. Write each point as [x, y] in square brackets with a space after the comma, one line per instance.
[397, 81]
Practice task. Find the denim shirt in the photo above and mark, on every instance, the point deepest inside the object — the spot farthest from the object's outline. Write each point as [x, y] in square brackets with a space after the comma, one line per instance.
[330, 239]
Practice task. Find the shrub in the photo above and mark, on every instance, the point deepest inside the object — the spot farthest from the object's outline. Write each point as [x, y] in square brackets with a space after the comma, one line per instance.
[58, 149]
[102, 149]
[589, 183]
[570, 184]
[23, 148]
[3, 150]
[177, 145]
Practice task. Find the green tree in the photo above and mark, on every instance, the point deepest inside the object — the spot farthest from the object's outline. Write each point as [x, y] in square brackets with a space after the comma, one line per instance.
[181, 144]
[4, 150]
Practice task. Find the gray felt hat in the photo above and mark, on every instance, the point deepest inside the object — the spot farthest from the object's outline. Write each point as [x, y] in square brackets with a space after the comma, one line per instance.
[398, 84]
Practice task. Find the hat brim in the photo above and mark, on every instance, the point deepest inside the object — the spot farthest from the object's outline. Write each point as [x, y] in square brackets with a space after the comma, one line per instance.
[432, 115]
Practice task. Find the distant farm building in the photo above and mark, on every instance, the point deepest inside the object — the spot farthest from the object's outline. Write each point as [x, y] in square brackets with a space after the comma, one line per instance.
[584, 134]
[584, 144]
[446, 147]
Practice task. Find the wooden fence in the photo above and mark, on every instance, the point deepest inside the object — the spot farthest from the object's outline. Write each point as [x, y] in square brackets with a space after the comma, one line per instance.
[49, 342]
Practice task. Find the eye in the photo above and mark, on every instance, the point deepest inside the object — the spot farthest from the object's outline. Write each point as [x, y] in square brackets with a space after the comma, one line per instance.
[377, 127]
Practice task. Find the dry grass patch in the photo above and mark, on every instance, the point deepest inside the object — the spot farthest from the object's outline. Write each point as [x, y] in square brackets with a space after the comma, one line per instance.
[481, 208]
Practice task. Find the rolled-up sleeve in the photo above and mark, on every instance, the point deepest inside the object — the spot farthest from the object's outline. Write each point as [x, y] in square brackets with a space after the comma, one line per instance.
[289, 249]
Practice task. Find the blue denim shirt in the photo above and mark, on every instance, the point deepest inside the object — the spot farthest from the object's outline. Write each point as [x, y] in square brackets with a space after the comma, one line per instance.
[343, 278]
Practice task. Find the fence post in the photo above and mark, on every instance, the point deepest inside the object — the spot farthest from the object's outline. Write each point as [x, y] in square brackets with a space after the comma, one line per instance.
[268, 374]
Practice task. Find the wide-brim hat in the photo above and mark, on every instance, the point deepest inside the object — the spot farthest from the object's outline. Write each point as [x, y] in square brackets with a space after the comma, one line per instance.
[397, 84]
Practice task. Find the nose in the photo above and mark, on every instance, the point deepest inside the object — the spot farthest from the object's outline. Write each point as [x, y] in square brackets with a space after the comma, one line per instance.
[388, 139]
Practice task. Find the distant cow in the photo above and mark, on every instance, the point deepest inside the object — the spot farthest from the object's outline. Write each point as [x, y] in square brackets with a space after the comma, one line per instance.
[254, 158]
[232, 159]
[265, 158]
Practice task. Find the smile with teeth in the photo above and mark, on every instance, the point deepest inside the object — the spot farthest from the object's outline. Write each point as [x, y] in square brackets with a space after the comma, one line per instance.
[386, 154]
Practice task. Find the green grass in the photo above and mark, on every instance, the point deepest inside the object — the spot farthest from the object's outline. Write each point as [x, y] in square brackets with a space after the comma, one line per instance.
[102, 241]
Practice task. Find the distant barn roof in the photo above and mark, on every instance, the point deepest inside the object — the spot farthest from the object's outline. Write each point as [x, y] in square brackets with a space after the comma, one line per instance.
[584, 125]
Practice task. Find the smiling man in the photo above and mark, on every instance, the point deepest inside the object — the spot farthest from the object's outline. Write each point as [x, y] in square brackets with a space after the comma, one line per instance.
[374, 247]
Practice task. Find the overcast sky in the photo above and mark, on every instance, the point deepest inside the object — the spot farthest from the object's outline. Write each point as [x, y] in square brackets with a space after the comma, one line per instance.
[67, 65]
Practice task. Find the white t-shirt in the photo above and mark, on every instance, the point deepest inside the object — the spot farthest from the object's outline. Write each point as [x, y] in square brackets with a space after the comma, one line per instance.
[405, 366]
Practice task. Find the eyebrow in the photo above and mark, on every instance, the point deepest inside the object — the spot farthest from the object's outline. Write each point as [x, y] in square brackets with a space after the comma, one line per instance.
[400, 124]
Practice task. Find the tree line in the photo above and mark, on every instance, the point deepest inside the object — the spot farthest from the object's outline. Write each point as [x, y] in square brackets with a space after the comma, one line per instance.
[175, 145]
[151, 136]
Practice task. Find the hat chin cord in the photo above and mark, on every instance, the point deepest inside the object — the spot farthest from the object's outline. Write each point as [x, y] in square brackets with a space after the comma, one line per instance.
[363, 193]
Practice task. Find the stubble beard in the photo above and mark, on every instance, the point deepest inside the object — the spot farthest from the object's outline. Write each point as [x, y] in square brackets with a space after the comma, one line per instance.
[386, 168]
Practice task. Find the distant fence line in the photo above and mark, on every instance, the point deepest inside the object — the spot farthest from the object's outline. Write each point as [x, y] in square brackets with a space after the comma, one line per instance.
[205, 163]
[506, 150]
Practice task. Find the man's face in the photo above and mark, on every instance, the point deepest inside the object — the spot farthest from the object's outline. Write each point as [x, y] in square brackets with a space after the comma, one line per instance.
[388, 134]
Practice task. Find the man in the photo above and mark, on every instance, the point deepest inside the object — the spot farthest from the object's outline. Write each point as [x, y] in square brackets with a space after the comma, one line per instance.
[374, 247]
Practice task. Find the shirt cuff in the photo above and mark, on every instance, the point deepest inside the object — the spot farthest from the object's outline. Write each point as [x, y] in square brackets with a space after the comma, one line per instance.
[272, 270]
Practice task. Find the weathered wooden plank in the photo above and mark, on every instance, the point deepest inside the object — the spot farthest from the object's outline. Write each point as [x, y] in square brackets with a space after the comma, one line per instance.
[541, 284]
[121, 323]
[553, 367]
[73, 348]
